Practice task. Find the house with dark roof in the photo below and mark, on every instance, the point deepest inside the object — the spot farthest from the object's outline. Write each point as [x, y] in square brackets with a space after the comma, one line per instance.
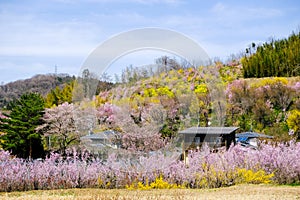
[215, 137]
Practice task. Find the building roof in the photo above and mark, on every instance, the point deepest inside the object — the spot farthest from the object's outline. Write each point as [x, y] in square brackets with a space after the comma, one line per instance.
[95, 136]
[252, 135]
[209, 130]
[101, 135]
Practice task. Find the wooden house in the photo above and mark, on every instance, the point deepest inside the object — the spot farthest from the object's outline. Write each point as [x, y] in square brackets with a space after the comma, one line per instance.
[215, 137]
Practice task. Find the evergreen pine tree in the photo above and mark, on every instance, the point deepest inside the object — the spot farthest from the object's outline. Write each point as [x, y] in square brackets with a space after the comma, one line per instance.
[20, 136]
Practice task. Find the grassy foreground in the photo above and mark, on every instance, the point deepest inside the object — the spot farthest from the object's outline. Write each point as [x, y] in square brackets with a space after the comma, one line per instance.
[240, 192]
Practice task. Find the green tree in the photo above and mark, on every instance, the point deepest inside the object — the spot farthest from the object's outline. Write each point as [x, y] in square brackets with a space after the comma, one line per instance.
[58, 96]
[275, 58]
[19, 127]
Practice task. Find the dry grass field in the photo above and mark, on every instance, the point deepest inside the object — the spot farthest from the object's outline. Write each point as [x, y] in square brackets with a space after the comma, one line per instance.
[239, 192]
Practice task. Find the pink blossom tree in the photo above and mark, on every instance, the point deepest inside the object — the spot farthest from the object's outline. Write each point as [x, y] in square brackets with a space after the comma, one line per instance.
[59, 127]
[106, 114]
[140, 134]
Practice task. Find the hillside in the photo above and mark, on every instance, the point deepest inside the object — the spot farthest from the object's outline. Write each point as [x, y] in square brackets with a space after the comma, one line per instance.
[197, 96]
[42, 84]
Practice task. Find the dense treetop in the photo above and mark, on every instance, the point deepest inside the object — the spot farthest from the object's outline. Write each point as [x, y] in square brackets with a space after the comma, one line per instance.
[274, 58]
[20, 126]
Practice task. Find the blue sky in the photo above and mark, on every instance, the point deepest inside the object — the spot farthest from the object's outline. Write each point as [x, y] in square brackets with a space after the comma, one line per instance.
[36, 35]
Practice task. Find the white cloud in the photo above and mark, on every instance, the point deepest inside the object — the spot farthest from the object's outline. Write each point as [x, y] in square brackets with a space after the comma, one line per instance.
[26, 34]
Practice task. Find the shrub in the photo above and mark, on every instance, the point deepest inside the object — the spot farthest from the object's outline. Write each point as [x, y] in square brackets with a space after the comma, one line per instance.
[249, 176]
[159, 183]
[277, 163]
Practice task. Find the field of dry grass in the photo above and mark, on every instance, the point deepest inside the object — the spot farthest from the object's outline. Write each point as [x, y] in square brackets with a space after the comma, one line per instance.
[240, 192]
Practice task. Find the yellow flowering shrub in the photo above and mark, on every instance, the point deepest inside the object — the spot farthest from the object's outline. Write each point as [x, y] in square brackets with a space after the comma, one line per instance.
[269, 81]
[159, 183]
[293, 120]
[165, 91]
[102, 184]
[212, 178]
[250, 176]
[150, 92]
[201, 88]
[180, 71]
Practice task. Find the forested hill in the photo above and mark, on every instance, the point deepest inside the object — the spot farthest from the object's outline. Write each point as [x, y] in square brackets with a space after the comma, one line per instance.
[280, 58]
[42, 84]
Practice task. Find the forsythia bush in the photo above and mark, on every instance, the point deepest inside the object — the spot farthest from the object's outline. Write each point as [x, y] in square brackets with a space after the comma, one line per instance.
[249, 176]
[159, 183]
[214, 178]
